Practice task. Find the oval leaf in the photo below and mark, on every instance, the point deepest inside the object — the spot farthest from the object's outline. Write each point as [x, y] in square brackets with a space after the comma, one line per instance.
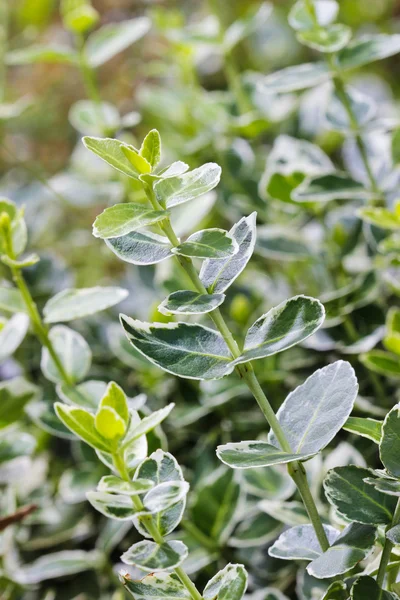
[247, 455]
[186, 302]
[120, 219]
[208, 243]
[77, 303]
[188, 186]
[150, 556]
[140, 248]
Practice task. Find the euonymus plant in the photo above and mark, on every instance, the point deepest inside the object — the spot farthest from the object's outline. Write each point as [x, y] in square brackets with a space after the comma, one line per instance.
[236, 434]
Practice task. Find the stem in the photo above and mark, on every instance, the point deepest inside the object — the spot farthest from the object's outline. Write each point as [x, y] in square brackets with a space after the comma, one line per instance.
[90, 82]
[151, 527]
[387, 549]
[246, 372]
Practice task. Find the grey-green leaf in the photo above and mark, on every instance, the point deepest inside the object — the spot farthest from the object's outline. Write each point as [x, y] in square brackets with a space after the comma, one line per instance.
[113, 38]
[228, 584]
[352, 546]
[150, 556]
[110, 150]
[390, 444]
[120, 219]
[159, 586]
[116, 485]
[368, 49]
[284, 326]
[139, 248]
[186, 302]
[164, 495]
[208, 243]
[77, 303]
[354, 499]
[218, 275]
[112, 506]
[73, 351]
[188, 350]
[301, 543]
[11, 300]
[188, 186]
[248, 455]
[12, 335]
[315, 411]
[295, 78]
[332, 186]
[329, 39]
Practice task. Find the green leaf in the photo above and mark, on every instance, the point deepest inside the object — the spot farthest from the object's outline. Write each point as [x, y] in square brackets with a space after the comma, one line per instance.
[186, 302]
[73, 304]
[114, 485]
[336, 591]
[381, 217]
[41, 53]
[113, 506]
[113, 38]
[292, 79]
[208, 243]
[332, 186]
[228, 584]
[57, 564]
[84, 116]
[158, 586]
[365, 427]
[368, 49]
[162, 468]
[78, 17]
[218, 275]
[81, 423]
[354, 499]
[385, 485]
[151, 148]
[247, 455]
[188, 350]
[120, 219]
[12, 335]
[11, 300]
[352, 546]
[284, 326]
[301, 543]
[277, 243]
[111, 151]
[330, 39]
[315, 411]
[366, 588]
[255, 530]
[150, 556]
[15, 444]
[300, 18]
[363, 108]
[86, 395]
[188, 186]
[148, 423]
[138, 162]
[109, 424]
[381, 362]
[14, 396]
[164, 495]
[140, 248]
[73, 352]
[114, 397]
[389, 448]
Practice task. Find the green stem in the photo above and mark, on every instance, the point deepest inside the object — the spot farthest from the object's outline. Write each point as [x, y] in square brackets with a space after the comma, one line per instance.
[387, 549]
[246, 372]
[151, 527]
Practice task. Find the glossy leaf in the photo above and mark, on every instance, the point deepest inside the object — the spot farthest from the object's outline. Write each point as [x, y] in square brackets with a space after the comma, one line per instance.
[140, 248]
[301, 543]
[82, 424]
[228, 584]
[186, 302]
[157, 586]
[187, 350]
[315, 411]
[354, 499]
[113, 38]
[247, 455]
[150, 556]
[208, 243]
[73, 352]
[77, 303]
[120, 219]
[218, 275]
[284, 326]
[351, 547]
[365, 427]
[173, 191]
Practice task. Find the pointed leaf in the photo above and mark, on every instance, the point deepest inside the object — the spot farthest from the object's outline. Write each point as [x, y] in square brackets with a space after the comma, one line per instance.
[381, 362]
[120, 219]
[111, 151]
[247, 455]
[81, 423]
[208, 243]
[109, 424]
[148, 424]
[140, 248]
[186, 302]
[137, 161]
[228, 584]
[354, 499]
[188, 186]
[150, 556]
[301, 543]
[114, 397]
[151, 148]
[73, 304]
[284, 326]
[315, 411]
[187, 350]
[218, 275]
[113, 38]
[365, 427]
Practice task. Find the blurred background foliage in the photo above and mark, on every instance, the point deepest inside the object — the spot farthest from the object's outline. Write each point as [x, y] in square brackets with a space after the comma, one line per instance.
[192, 76]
